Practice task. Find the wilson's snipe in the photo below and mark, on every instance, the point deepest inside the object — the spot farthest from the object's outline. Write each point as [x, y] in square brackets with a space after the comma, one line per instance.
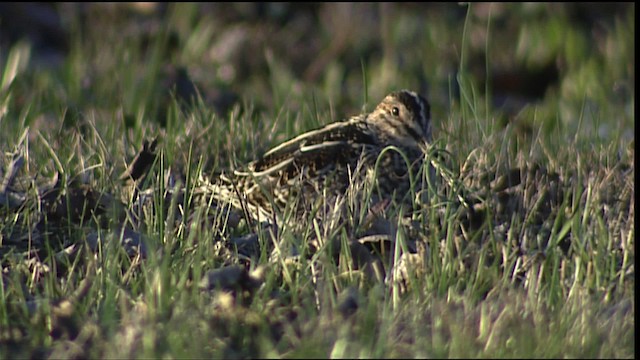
[323, 163]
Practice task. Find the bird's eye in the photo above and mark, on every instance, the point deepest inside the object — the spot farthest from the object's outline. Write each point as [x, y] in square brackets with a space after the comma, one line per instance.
[395, 111]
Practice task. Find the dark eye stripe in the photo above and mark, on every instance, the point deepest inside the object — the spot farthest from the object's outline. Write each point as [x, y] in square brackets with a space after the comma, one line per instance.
[417, 105]
[402, 127]
[413, 132]
[409, 101]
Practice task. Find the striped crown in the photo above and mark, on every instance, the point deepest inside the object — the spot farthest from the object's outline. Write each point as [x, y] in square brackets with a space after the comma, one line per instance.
[402, 118]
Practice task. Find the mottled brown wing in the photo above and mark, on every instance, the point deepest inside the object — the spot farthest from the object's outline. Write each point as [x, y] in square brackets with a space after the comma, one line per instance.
[316, 146]
[303, 169]
[322, 158]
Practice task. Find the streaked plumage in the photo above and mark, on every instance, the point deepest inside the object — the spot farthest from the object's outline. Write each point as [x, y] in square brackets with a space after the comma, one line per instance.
[325, 161]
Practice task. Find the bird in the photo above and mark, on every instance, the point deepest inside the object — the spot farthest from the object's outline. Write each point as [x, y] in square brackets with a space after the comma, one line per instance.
[386, 145]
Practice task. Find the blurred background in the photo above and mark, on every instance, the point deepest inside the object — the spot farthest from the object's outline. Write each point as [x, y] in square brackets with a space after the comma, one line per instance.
[536, 64]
